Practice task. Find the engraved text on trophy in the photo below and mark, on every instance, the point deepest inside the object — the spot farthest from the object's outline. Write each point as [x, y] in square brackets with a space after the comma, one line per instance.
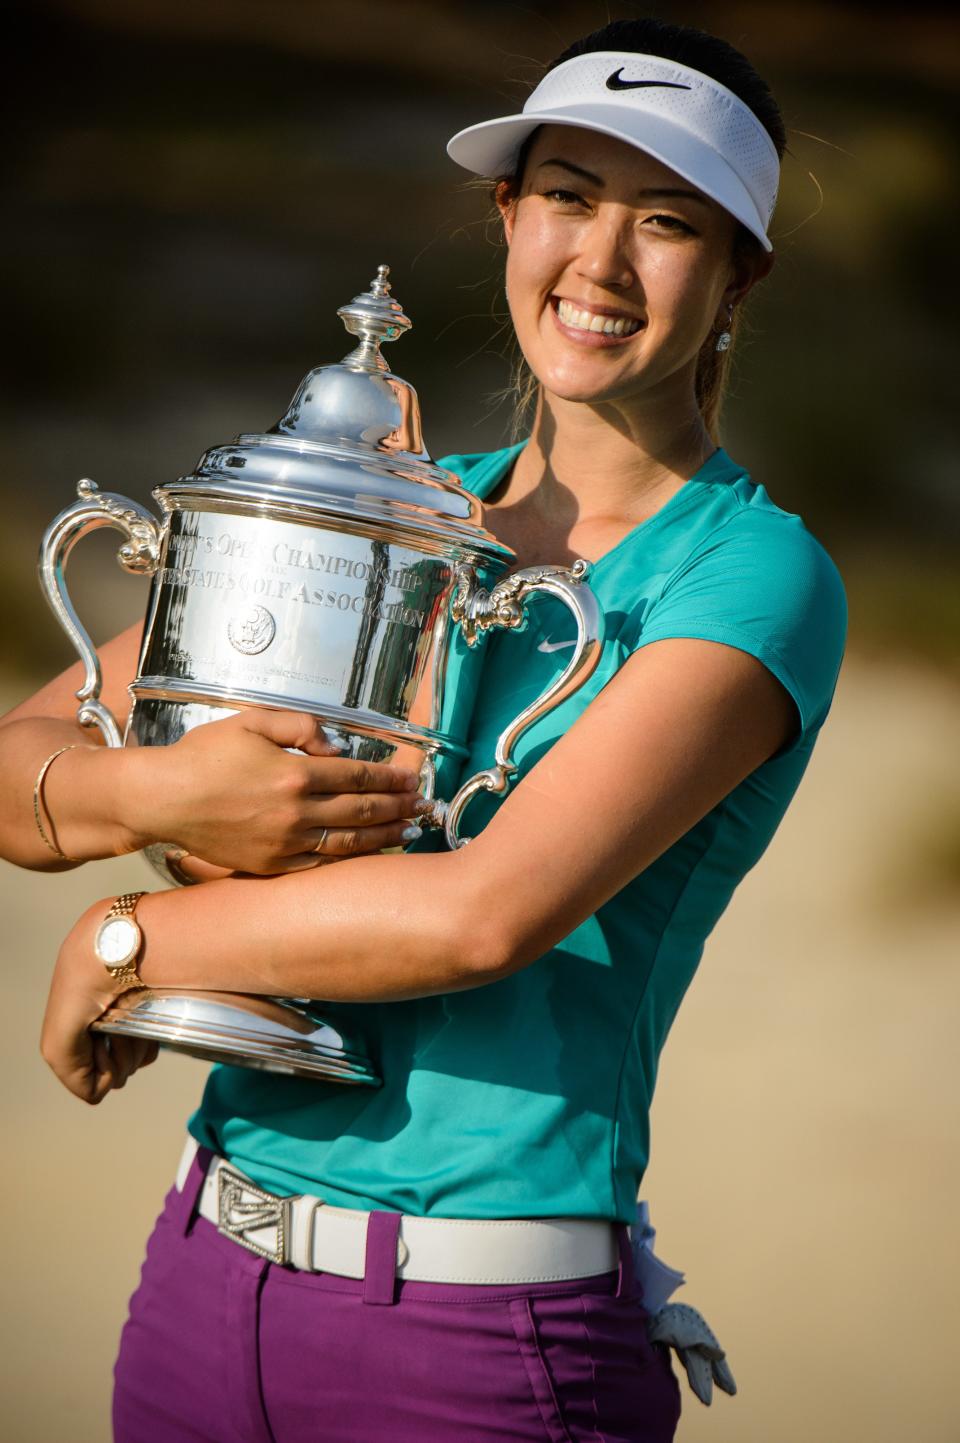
[295, 615]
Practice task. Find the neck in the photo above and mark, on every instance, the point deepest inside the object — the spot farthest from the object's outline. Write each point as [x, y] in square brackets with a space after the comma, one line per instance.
[614, 460]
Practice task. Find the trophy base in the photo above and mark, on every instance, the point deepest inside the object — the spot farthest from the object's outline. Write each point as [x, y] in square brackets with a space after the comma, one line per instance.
[272, 1034]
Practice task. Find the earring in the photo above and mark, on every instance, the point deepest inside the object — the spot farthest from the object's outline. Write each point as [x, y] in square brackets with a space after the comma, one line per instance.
[724, 338]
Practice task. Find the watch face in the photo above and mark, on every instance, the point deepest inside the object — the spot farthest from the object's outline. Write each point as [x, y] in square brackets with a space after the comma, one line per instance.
[118, 941]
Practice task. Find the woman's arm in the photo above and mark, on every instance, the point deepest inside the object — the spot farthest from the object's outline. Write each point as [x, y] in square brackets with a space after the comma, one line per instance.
[682, 723]
[39, 726]
[228, 791]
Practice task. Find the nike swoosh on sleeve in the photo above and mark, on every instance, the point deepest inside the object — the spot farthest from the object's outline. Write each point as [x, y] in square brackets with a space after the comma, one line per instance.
[556, 645]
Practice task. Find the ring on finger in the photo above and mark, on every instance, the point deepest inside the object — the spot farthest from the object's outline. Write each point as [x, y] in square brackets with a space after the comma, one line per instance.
[323, 838]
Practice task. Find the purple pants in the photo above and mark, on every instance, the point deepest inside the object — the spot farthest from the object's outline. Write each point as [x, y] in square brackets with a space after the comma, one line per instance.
[224, 1347]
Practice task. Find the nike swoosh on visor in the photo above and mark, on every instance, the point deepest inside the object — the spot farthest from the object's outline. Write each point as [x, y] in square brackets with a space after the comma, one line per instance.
[615, 83]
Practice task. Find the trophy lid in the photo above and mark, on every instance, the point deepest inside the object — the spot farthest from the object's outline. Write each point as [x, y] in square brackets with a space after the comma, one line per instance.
[350, 445]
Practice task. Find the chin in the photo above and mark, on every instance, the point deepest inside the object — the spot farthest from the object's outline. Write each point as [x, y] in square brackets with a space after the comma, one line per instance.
[584, 395]
[587, 389]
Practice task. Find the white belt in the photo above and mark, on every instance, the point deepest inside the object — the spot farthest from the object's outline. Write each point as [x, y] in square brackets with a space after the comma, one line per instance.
[311, 1234]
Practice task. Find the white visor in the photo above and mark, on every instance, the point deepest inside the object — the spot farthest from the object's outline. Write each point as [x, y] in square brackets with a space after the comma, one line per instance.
[681, 117]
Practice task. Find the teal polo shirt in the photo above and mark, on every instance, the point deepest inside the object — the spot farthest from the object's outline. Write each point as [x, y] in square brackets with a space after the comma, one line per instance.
[530, 1097]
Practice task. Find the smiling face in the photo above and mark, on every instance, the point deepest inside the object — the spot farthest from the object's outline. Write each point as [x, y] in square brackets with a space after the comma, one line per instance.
[617, 269]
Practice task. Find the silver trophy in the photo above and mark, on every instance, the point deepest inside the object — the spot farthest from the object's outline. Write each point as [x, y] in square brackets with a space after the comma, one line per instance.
[327, 566]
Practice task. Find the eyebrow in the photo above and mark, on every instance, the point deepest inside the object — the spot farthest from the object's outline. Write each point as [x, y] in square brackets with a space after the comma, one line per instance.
[677, 190]
[649, 193]
[574, 170]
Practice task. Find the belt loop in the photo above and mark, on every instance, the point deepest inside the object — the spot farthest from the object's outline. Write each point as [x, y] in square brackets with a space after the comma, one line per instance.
[185, 1202]
[626, 1281]
[380, 1263]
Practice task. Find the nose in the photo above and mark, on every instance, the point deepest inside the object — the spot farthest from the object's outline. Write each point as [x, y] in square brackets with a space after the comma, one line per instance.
[604, 252]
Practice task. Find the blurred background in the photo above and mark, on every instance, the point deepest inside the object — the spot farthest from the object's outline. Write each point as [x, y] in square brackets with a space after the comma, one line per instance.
[191, 192]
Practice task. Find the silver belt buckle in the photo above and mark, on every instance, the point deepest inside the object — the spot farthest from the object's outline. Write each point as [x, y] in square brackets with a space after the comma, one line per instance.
[243, 1208]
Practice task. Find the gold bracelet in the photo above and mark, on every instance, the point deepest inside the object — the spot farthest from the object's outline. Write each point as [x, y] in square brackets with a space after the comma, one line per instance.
[38, 798]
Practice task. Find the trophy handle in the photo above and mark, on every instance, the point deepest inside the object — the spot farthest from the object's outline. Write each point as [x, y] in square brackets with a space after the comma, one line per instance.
[138, 554]
[478, 610]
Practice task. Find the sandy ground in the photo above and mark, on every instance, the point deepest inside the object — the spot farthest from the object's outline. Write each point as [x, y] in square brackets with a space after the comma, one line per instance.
[805, 1159]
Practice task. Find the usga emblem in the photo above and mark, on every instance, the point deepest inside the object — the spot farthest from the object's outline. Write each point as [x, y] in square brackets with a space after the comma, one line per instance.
[251, 631]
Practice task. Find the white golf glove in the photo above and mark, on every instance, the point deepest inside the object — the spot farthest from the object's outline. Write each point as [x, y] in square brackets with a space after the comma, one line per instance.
[683, 1328]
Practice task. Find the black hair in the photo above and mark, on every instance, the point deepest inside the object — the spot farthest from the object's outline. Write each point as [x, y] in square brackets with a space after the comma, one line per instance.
[697, 49]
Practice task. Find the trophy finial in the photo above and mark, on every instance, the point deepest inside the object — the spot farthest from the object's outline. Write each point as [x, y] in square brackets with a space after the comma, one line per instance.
[375, 317]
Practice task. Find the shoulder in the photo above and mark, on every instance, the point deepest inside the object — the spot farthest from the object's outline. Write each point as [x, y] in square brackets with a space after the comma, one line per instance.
[732, 530]
[759, 580]
[479, 471]
[759, 541]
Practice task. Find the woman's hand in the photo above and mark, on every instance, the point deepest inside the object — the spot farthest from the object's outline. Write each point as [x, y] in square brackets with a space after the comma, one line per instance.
[230, 794]
[89, 1064]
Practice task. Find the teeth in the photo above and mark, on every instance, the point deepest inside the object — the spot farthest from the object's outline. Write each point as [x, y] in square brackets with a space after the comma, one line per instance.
[571, 315]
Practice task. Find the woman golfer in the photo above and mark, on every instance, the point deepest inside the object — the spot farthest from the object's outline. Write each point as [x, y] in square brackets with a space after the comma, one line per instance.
[516, 994]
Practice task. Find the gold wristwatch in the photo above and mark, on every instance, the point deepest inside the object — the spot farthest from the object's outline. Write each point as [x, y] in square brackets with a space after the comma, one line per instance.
[118, 942]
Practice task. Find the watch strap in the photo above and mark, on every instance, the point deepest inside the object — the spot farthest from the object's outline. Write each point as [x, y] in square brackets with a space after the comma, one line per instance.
[126, 977]
[124, 906]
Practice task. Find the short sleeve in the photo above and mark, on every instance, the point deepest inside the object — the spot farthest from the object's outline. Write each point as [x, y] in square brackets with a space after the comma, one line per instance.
[764, 584]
